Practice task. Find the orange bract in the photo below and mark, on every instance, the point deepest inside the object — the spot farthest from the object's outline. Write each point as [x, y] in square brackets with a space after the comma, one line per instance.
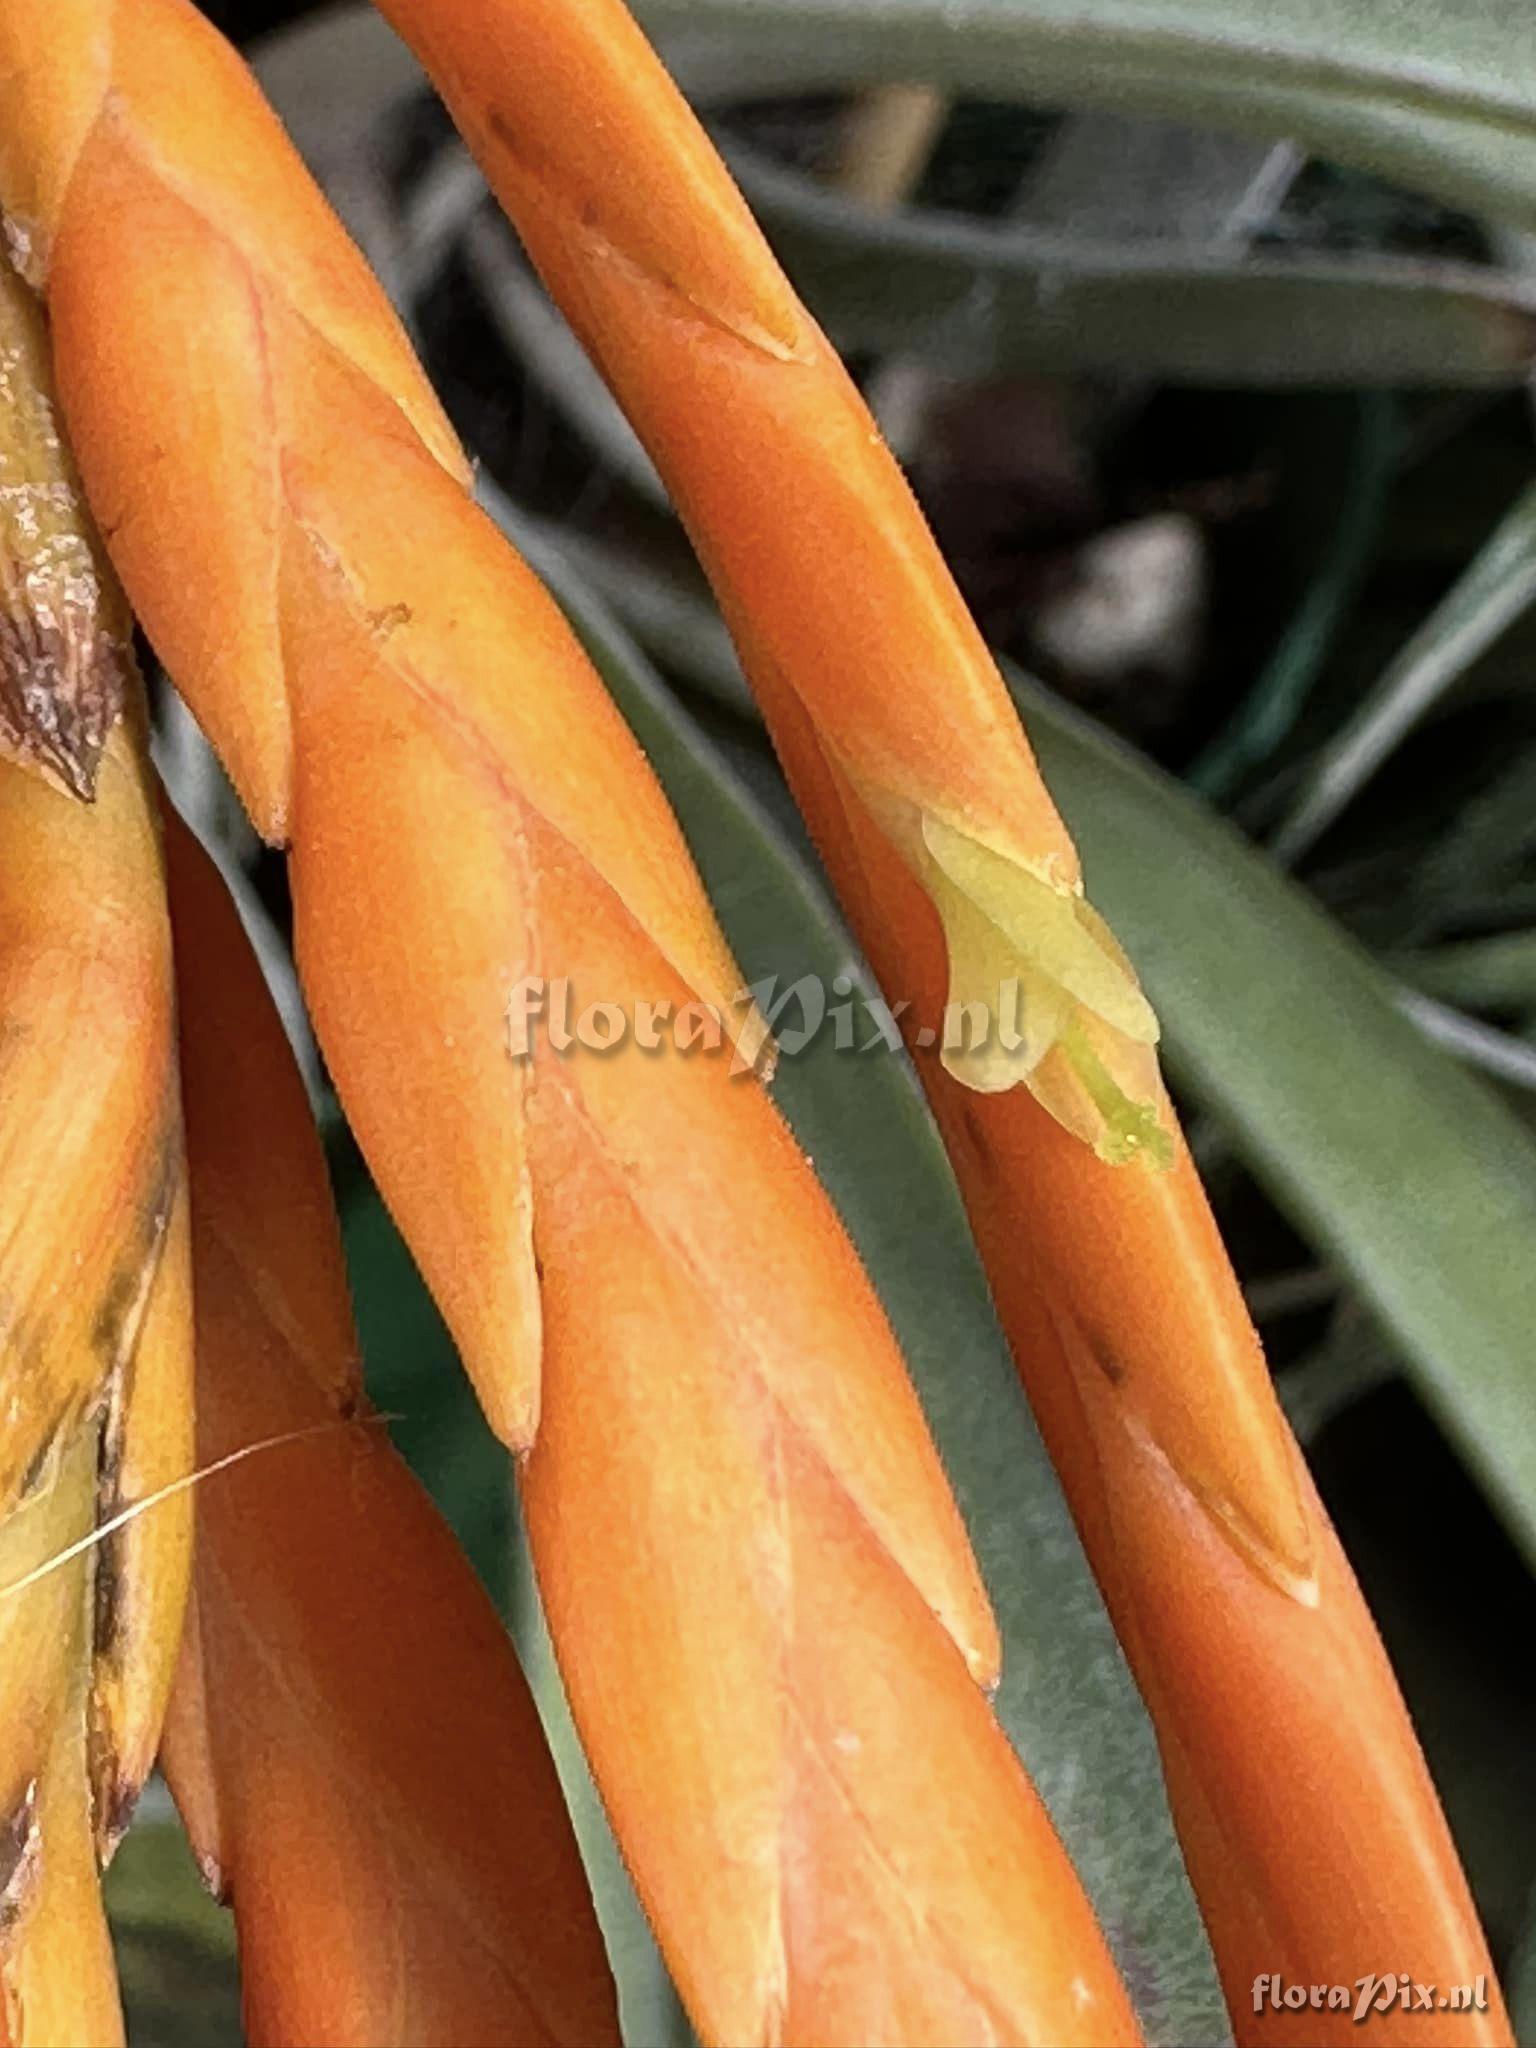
[1312, 1830]
[762, 1600]
[351, 1740]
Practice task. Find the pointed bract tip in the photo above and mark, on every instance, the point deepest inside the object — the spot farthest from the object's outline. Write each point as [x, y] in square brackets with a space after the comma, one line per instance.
[1281, 1555]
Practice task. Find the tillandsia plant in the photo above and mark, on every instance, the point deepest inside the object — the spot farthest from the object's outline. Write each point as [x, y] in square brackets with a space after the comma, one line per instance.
[651, 1292]
[769, 1631]
[909, 763]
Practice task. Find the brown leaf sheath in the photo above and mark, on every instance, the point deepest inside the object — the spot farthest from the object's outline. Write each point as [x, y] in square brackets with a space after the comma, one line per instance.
[65, 664]
[352, 1743]
[1314, 1834]
[95, 1371]
[764, 1606]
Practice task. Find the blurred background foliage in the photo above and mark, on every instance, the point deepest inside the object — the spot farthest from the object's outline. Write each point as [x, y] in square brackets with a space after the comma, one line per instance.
[1205, 332]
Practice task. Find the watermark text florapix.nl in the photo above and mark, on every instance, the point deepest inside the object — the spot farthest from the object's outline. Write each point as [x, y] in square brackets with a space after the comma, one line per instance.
[798, 1014]
[1386, 1992]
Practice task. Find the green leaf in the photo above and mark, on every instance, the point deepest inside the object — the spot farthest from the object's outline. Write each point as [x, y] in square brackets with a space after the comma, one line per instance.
[1280, 691]
[1409, 1174]
[1067, 1699]
[1437, 94]
[1497, 973]
[1486, 600]
[1490, 839]
[977, 298]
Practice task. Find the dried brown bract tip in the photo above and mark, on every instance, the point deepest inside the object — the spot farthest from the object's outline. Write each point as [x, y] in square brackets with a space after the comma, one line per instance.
[65, 658]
